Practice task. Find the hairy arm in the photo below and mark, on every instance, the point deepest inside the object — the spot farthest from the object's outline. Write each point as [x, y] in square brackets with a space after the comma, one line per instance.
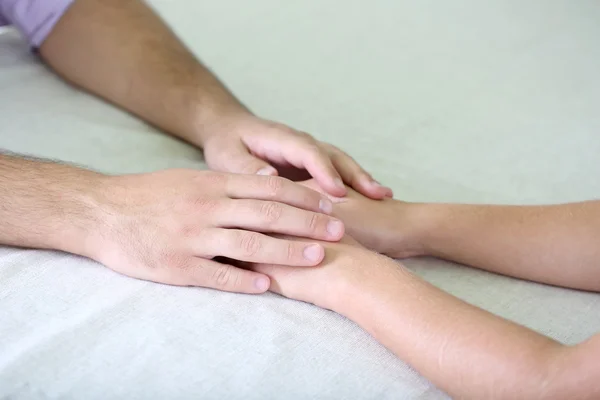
[122, 51]
[46, 205]
[466, 351]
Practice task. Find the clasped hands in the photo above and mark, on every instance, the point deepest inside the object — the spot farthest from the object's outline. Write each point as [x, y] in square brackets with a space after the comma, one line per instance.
[169, 226]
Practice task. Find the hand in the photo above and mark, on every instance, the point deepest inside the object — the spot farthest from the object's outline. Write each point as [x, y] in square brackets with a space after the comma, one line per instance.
[249, 145]
[391, 227]
[167, 226]
[347, 267]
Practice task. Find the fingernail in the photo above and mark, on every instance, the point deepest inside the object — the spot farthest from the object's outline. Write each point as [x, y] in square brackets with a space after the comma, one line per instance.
[338, 182]
[326, 206]
[266, 171]
[261, 284]
[388, 191]
[335, 228]
[312, 252]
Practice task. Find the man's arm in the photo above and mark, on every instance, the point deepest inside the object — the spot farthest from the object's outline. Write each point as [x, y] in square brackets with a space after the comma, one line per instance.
[466, 351]
[122, 51]
[164, 226]
[48, 205]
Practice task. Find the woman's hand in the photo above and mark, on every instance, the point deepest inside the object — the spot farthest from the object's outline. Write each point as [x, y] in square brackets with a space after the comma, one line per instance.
[391, 227]
[346, 266]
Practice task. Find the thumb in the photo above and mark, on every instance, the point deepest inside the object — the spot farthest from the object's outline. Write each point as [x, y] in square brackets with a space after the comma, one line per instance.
[241, 161]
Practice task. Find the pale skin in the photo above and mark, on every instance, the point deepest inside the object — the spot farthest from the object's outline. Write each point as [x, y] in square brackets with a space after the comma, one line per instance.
[167, 226]
[466, 351]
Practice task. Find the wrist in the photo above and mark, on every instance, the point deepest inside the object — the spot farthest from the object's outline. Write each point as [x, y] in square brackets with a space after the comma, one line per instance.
[364, 275]
[214, 124]
[79, 216]
[436, 223]
[412, 225]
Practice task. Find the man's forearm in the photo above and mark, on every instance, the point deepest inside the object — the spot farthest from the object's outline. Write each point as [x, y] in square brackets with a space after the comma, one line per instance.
[122, 51]
[469, 353]
[556, 244]
[46, 205]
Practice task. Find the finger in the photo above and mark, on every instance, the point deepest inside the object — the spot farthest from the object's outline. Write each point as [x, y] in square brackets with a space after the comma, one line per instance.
[274, 217]
[312, 184]
[241, 161]
[207, 273]
[257, 248]
[302, 151]
[274, 188]
[307, 154]
[356, 177]
[274, 272]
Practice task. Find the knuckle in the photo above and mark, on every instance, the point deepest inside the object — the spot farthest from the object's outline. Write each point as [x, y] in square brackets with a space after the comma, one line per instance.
[173, 260]
[274, 185]
[291, 251]
[191, 230]
[305, 136]
[315, 149]
[223, 276]
[200, 202]
[271, 211]
[203, 178]
[250, 244]
[331, 149]
[316, 153]
[216, 178]
[313, 222]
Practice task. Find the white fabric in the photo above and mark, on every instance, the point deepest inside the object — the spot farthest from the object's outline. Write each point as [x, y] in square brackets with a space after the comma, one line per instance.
[445, 101]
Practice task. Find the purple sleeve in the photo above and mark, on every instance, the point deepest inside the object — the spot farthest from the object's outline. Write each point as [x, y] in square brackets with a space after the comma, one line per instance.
[34, 18]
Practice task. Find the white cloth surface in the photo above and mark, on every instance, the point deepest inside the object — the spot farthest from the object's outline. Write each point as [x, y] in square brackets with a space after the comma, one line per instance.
[445, 101]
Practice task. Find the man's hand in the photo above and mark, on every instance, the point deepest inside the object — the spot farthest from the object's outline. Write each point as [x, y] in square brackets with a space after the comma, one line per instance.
[167, 226]
[391, 227]
[247, 144]
[175, 92]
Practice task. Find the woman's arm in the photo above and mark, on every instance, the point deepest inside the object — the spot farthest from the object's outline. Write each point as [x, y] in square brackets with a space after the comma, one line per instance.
[467, 352]
[464, 350]
[555, 244]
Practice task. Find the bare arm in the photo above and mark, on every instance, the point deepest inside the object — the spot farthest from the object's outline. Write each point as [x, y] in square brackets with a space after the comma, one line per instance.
[164, 226]
[555, 244]
[466, 351]
[46, 205]
[122, 51]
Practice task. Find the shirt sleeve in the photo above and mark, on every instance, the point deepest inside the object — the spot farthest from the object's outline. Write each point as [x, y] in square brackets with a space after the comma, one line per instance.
[34, 18]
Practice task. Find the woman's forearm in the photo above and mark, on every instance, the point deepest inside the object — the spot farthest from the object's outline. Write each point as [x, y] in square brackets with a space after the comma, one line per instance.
[466, 351]
[557, 244]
